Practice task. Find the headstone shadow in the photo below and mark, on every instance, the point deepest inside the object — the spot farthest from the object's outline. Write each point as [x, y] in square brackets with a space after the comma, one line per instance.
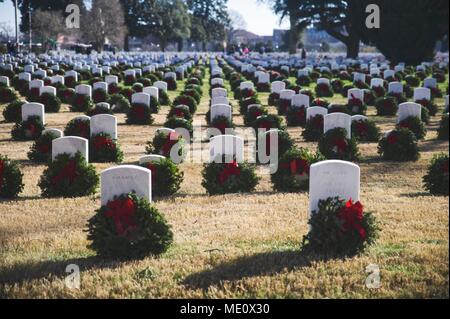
[263, 264]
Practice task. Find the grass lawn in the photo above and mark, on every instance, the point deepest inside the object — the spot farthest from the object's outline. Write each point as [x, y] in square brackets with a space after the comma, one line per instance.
[229, 246]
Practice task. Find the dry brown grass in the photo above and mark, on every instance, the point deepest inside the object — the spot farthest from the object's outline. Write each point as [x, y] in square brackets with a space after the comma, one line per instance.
[228, 246]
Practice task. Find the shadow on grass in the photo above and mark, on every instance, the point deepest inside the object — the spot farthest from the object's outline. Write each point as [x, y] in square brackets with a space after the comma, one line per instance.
[264, 264]
[40, 270]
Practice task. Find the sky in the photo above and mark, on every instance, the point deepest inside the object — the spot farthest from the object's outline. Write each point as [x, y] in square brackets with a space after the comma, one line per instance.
[258, 17]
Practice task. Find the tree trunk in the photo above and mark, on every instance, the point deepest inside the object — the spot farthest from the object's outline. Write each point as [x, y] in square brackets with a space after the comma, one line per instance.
[204, 46]
[353, 44]
[180, 45]
[126, 43]
[294, 36]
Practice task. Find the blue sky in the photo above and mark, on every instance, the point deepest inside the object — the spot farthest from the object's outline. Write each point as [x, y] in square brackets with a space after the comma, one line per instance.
[259, 17]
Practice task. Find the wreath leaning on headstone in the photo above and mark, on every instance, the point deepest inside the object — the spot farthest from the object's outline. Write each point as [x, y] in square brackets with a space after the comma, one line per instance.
[103, 149]
[129, 227]
[365, 131]
[340, 227]
[69, 176]
[293, 170]
[166, 177]
[399, 145]
[335, 144]
[41, 150]
[28, 130]
[231, 177]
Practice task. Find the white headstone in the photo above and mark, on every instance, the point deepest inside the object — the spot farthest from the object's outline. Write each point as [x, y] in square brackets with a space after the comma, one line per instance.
[110, 79]
[228, 145]
[355, 94]
[430, 83]
[47, 89]
[264, 78]
[287, 94]
[161, 85]
[25, 76]
[104, 123]
[409, 109]
[277, 87]
[219, 92]
[221, 110]
[152, 91]
[141, 98]
[335, 120]
[35, 84]
[54, 131]
[70, 145]
[315, 110]
[300, 100]
[101, 86]
[422, 94]
[359, 118]
[219, 100]
[333, 179]
[246, 85]
[57, 79]
[125, 179]
[151, 159]
[395, 87]
[4, 80]
[33, 109]
[84, 89]
[376, 83]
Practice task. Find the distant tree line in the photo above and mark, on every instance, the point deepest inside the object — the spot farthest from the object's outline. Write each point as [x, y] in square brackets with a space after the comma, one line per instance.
[409, 30]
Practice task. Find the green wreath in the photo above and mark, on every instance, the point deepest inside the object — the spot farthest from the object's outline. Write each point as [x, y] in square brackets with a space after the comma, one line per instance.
[365, 131]
[443, 128]
[41, 150]
[13, 111]
[69, 176]
[334, 144]
[119, 103]
[175, 122]
[163, 143]
[226, 178]
[78, 127]
[186, 100]
[313, 129]
[293, 170]
[28, 130]
[415, 125]
[166, 177]
[436, 180]
[103, 149]
[7, 95]
[129, 227]
[52, 103]
[139, 114]
[81, 103]
[10, 178]
[400, 145]
[340, 228]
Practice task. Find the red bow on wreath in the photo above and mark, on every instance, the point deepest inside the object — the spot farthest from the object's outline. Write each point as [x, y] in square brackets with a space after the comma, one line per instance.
[318, 122]
[392, 139]
[230, 169]
[361, 127]
[179, 113]
[69, 172]
[354, 101]
[267, 125]
[31, 128]
[139, 111]
[297, 166]
[221, 126]
[153, 169]
[101, 142]
[257, 113]
[352, 217]
[43, 148]
[341, 145]
[83, 129]
[172, 139]
[122, 211]
[300, 113]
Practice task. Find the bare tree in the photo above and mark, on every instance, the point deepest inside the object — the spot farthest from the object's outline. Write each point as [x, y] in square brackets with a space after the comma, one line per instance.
[46, 26]
[6, 31]
[237, 20]
[104, 22]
